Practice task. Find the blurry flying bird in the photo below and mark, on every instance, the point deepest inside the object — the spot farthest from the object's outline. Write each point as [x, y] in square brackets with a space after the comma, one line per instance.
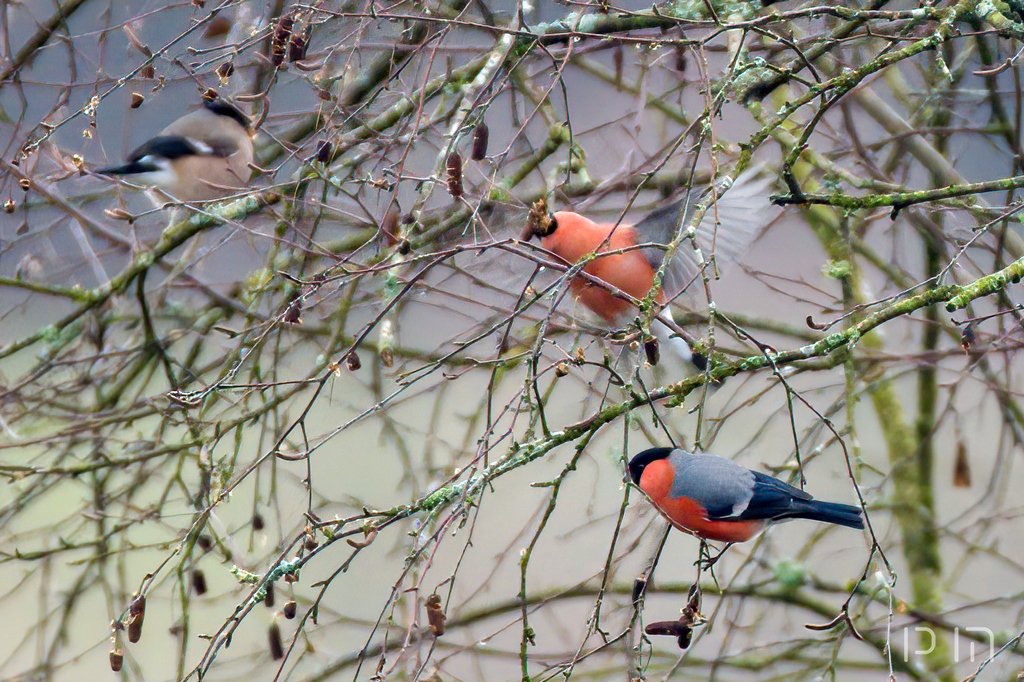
[630, 255]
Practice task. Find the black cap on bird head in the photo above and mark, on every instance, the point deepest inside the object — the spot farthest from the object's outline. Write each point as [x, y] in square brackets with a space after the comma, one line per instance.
[640, 462]
[220, 106]
[539, 223]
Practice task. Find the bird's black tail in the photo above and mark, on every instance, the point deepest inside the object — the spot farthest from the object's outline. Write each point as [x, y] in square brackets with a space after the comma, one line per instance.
[829, 512]
[132, 168]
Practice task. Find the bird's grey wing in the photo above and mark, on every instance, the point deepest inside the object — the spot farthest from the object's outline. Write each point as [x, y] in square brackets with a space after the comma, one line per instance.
[661, 227]
[721, 486]
[729, 226]
[662, 224]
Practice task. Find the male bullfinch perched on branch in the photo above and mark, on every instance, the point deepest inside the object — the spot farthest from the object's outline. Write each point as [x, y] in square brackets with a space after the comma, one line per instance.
[717, 499]
[728, 227]
[204, 155]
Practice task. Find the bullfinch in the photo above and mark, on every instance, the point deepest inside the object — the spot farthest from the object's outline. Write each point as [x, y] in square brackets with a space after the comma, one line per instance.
[202, 156]
[727, 229]
[716, 499]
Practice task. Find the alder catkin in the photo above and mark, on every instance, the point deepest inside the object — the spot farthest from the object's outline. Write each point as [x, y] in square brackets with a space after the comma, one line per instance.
[480, 136]
[453, 168]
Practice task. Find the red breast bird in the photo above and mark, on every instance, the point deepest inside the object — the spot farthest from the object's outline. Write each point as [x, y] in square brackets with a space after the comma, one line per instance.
[716, 499]
[727, 229]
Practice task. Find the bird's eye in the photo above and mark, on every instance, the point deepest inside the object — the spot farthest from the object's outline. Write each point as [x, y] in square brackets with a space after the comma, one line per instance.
[552, 225]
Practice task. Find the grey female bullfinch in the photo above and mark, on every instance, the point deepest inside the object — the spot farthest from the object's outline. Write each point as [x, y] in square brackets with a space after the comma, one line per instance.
[204, 155]
[716, 499]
